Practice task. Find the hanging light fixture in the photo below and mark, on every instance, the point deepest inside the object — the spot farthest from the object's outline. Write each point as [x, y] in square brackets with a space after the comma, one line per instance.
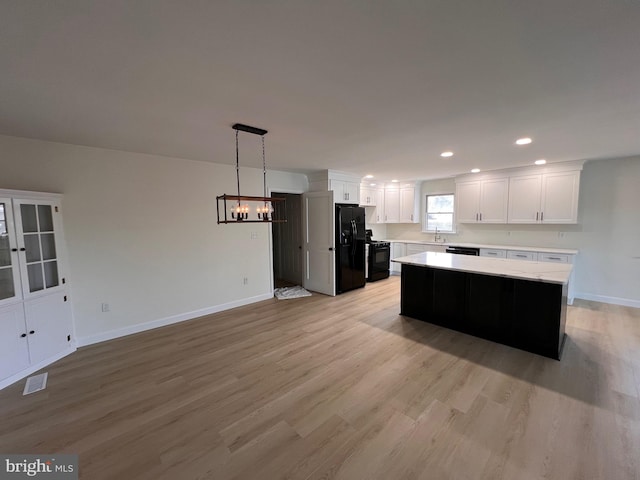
[241, 209]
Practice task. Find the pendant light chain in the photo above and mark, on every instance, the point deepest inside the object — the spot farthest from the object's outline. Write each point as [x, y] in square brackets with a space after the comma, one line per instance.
[264, 170]
[237, 166]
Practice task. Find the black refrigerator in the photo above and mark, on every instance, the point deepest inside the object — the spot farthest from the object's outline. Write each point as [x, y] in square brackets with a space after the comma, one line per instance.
[350, 240]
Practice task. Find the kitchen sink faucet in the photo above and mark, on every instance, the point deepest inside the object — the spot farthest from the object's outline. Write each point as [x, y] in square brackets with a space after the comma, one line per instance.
[436, 237]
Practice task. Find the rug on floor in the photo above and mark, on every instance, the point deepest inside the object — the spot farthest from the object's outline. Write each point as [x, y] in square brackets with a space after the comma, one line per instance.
[285, 293]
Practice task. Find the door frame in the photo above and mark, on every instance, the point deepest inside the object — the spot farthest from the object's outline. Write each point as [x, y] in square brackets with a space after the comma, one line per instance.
[270, 191]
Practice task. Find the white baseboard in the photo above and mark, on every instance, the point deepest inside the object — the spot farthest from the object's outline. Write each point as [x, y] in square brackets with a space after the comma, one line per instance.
[5, 382]
[627, 302]
[162, 322]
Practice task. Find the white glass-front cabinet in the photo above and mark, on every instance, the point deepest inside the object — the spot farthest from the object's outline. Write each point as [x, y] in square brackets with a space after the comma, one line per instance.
[35, 312]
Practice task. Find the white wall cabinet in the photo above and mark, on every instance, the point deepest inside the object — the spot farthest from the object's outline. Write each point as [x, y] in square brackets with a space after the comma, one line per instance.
[368, 196]
[392, 204]
[409, 207]
[401, 203]
[482, 201]
[35, 314]
[345, 187]
[345, 191]
[378, 214]
[544, 198]
[546, 194]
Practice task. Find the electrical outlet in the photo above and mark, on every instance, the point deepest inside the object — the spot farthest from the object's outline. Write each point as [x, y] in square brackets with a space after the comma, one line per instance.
[254, 235]
[105, 307]
[245, 281]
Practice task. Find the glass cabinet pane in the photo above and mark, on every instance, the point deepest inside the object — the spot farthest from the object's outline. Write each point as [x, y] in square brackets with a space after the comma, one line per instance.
[29, 219]
[32, 244]
[34, 272]
[51, 274]
[5, 251]
[48, 246]
[6, 283]
[45, 218]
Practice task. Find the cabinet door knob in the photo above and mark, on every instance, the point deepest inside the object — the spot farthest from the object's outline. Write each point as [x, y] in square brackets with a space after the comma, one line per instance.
[23, 249]
[14, 249]
[23, 335]
[31, 332]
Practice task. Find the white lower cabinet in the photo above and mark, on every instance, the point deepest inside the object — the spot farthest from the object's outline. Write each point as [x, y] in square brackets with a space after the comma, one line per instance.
[493, 253]
[554, 257]
[424, 247]
[35, 312]
[14, 348]
[413, 248]
[397, 250]
[47, 321]
[522, 255]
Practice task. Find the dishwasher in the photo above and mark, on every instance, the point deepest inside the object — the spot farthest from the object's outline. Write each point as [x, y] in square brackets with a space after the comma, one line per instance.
[463, 250]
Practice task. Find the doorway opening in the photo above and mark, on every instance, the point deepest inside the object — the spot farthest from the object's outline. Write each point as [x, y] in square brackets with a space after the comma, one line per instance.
[287, 241]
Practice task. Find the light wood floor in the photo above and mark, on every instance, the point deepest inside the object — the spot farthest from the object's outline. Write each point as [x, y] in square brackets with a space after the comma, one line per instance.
[345, 388]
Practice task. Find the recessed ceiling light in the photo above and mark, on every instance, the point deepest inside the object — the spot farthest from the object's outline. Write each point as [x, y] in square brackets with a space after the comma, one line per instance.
[446, 154]
[372, 184]
[523, 141]
[475, 170]
[394, 180]
[542, 161]
[368, 176]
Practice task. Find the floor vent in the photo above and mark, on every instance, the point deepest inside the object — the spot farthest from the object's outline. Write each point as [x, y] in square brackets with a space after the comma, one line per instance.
[35, 383]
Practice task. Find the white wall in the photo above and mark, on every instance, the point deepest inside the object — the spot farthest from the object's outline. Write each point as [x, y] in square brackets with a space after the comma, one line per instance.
[608, 235]
[142, 235]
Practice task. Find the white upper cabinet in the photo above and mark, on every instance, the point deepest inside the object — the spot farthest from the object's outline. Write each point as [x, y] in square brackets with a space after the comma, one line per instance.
[559, 201]
[547, 194]
[409, 207]
[345, 187]
[378, 214]
[345, 191]
[391, 204]
[524, 199]
[401, 203]
[367, 196]
[467, 202]
[482, 201]
[550, 197]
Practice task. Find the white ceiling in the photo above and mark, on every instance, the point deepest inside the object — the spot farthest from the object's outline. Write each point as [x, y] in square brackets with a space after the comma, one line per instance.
[378, 87]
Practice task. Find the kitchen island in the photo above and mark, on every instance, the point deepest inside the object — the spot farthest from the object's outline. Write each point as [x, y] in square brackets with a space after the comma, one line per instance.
[518, 303]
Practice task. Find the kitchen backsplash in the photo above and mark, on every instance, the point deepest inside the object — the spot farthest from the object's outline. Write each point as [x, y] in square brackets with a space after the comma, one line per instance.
[562, 236]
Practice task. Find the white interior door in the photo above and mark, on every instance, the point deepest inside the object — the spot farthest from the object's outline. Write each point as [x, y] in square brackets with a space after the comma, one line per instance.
[319, 242]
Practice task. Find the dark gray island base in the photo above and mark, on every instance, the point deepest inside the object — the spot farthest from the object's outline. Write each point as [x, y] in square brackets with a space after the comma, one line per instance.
[523, 313]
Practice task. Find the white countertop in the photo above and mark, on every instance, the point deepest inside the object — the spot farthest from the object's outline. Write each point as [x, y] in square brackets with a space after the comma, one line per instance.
[501, 267]
[566, 251]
